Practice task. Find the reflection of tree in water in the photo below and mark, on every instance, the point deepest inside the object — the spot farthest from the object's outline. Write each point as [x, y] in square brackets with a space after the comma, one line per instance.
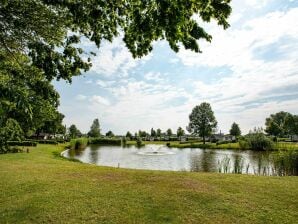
[75, 152]
[238, 163]
[94, 153]
[205, 161]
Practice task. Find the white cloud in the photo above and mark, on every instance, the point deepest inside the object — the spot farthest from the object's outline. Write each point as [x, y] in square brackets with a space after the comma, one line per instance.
[81, 97]
[115, 59]
[100, 100]
[154, 76]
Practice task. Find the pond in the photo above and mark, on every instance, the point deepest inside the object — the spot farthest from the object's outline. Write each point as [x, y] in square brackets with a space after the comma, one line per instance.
[160, 157]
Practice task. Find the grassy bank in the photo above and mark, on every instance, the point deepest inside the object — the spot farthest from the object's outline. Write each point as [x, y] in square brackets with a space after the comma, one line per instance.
[41, 187]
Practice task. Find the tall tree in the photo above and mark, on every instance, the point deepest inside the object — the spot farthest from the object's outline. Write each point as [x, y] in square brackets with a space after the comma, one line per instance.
[235, 130]
[293, 125]
[73, 131]
[278, 124]
[128, 135]
[25, 94]
[169, 132]
[40, 28]
[153, 133]
[158, 132]
[94, 129]
[202, 120]
[180, 132]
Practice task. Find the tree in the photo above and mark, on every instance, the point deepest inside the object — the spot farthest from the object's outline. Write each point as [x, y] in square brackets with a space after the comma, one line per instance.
[53, 126]
[110, 134]
[94, 129]
[293, 124]
[128, 135]
[278, 124]
[25, 94]
[153, 133]
[202, 120]
[40, 28]
[180, 132]
[169, 132]
[158, 132]
[11, 131]
[73, 131]
[235, 130]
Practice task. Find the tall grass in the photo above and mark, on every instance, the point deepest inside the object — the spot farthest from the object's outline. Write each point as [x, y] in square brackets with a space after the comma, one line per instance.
[78, 143]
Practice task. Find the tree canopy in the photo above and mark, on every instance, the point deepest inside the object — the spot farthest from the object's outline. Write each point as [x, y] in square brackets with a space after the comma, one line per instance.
[235, 130]
[94, 129]
[202, 120]
[73, 131]
[278, 124]
[48, 31]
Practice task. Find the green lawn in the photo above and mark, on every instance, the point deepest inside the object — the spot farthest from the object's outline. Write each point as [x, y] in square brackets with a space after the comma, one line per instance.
[41, 187]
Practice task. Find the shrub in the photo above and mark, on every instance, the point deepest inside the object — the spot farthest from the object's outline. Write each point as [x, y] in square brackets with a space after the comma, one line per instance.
[259, 141]
[78, 143]
[50, 142]
[21, 143]
[243, 144]
[105, 141]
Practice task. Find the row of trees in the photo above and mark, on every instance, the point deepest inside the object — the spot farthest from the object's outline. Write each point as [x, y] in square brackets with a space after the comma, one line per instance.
[156, 133]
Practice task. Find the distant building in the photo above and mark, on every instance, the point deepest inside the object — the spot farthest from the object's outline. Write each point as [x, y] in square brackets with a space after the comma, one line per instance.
[221, 137]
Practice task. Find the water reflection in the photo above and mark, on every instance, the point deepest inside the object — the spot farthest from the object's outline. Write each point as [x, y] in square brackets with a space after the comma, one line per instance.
[203, 160]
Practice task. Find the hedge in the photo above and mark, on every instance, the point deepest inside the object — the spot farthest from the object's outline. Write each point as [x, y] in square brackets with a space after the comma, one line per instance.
[22, 143]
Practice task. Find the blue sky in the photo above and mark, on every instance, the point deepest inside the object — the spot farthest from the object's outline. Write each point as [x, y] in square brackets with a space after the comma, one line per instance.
[246, 73]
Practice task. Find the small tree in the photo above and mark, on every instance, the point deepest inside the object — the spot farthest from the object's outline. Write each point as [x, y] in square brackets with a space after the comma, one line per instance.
[153, 133]
[158, 132]
[73, 131]
[202, 120]
[128, 135]
[110, 134]
[169, 132]
[180, 132]
[10, 132]
[235, 130]
[94, 129]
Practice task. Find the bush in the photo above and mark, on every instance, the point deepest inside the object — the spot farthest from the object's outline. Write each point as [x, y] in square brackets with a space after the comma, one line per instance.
[50, 142]
[78, 143]
[259, 141]
[21, 143]
[105, 141]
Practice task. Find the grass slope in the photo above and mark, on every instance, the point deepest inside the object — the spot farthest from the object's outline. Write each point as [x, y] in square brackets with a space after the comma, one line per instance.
[41, 187]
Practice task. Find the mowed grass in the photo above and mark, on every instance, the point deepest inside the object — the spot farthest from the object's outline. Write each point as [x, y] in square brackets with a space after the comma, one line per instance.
[41, 187]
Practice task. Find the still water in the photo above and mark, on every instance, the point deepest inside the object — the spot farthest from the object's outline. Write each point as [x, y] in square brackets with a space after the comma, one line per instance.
[159, 157]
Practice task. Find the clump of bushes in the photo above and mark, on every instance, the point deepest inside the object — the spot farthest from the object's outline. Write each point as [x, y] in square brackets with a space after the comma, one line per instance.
[50, 142]
[21, 143]
[105, 141]
[256, 141]
[78, 143]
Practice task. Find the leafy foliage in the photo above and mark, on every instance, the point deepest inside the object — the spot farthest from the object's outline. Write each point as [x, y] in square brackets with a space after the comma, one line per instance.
[40, 28]
[180, 132]
[110, 134]
[25, 95]
[11, 131]
[202, 120]
[235, 130]
[278, 124]
[94, 129]
[73, 132]
[257, 140]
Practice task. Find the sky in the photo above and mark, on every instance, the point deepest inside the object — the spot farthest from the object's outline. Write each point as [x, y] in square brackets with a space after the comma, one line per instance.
[246, 73]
